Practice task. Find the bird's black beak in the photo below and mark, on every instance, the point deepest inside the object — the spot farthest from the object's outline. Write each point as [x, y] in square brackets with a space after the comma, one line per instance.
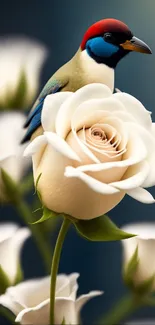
[135, 44]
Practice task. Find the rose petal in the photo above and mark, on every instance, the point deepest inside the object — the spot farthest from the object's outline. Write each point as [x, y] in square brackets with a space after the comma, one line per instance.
[51, 106]
[36, 315]
[147, 137]
[83, 152]
[141, 195]
[134, 177]
[61, 145]
[83, 114]
[13, 248]
[143, 230]
[136, 153]
[67, 285]
[67, 109]
[7, 230]
[54, 188]
[7, 302]
[135, 107]
[65, 310]
[145, 241]
[30, 293]
[82, 300]
[94, 184]
[35, 145]
[150, 179]
[11, 133]
[73, 285]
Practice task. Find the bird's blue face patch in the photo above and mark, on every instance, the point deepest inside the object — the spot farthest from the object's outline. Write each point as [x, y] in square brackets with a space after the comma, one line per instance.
[99, 47]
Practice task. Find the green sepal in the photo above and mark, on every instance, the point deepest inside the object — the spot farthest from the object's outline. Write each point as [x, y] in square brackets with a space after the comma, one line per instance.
[47, 214]
[130, 269]
[146, 287]
[19, 276]
[4, 281]
[36, 187]
[63, 322]
[11, 188]
[37, 181]
[99, 229]
[19, 99]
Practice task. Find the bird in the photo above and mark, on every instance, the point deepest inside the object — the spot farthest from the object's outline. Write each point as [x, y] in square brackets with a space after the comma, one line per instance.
[103, 45]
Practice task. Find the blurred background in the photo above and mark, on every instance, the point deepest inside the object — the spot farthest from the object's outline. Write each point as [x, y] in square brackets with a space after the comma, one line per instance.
[60, 25]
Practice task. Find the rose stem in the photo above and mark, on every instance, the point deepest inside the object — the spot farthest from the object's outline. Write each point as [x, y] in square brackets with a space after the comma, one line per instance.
[55, 265]
[42, 244]
[124, 308]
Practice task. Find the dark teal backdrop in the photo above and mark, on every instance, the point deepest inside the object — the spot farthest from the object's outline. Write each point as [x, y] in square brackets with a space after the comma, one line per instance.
[60, 25]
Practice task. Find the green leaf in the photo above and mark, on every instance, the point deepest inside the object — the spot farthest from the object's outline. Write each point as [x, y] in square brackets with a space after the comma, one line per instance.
[63, 322]
[37, 181]
[146, 287]
[99, 229]
[47, 214]
[36, 187]
[4, 281]
[19, 275]
[10, 187]
[18, 99]
[130, 269]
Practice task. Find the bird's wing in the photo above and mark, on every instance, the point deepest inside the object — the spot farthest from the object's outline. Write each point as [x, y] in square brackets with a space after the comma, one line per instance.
[34, 118]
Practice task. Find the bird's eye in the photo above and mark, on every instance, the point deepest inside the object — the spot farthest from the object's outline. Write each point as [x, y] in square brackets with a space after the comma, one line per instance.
[108, 37]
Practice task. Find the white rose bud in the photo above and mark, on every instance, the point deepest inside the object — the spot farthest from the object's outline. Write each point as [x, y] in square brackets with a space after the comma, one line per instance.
[95, 148]
[30, 301]
[12, 239]
[20, 56]
[11, 152]
[144, 242]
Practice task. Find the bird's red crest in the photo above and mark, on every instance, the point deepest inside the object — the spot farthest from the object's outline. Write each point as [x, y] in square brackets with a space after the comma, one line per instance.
[103, 26]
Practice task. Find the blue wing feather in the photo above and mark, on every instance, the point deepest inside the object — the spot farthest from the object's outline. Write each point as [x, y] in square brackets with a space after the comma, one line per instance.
[34, 119]
[34, 124]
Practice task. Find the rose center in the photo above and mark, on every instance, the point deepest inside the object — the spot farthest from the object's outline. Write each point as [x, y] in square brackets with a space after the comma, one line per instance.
[98, 134]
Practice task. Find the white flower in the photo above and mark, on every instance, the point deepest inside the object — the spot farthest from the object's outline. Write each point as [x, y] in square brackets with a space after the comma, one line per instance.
[12, 239]
[11, 152]
[145, 242]
[17, 56]
[96, 147]
[30, 302]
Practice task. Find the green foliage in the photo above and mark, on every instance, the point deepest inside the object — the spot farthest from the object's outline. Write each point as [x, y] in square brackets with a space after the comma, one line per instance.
[11, 189]
[4, 281]
[47, 214]
[19, 275]
[18, 99]
[99, 229]
[130, 269]
[146, 286]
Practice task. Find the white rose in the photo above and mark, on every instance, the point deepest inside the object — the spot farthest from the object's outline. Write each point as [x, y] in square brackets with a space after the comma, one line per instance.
[30, 301]
[145, 242]
[95, 148]
[12, 239]
[20, 55]
[11, 152]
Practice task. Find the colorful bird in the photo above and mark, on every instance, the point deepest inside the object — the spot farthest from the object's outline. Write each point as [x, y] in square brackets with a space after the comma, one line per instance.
[104, 44]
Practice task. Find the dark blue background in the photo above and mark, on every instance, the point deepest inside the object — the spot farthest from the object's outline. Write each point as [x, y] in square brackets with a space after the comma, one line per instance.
[60, 25]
